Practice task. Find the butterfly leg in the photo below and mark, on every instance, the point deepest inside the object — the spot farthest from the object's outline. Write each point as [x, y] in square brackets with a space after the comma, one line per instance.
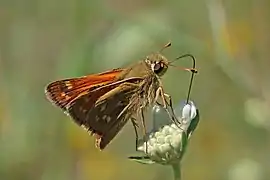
[135, 125]
[170, 104]
[144, 131]
[160, 93]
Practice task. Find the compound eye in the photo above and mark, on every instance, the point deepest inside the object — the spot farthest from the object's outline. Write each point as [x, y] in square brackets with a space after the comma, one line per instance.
[157, 67]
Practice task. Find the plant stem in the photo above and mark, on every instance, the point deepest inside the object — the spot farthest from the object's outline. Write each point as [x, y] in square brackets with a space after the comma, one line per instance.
[176, 171]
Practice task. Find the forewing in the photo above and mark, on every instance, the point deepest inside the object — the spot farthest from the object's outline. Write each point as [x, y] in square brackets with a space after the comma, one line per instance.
[109, 114]
[63, 92]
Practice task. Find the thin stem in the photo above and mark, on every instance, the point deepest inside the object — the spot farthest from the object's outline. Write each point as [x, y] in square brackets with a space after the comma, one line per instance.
[176, 171]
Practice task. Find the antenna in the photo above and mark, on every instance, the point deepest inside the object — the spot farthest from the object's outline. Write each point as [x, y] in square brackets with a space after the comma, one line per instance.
[190, 85]
[193, 71]
[166, 46]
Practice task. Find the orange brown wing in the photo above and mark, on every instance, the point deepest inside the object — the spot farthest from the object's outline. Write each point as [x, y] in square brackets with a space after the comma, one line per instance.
[63, 92]
[105, 118]
[78, 97]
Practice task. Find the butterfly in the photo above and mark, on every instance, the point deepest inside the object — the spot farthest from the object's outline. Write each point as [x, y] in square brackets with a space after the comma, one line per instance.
[103, 103]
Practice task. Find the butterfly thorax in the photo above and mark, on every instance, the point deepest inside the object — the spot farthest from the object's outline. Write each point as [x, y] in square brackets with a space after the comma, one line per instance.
[148, 73]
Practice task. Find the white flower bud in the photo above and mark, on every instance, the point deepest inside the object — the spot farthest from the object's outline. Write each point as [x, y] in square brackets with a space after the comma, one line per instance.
[188, 114]
[166, 145]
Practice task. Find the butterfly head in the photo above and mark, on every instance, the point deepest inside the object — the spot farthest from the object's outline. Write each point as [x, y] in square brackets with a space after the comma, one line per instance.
[158, 63]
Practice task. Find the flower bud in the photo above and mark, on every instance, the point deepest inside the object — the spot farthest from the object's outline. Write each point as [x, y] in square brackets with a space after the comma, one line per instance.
[167, 141]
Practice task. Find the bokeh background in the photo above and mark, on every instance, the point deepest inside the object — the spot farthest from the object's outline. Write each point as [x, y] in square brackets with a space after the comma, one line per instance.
[46, 40]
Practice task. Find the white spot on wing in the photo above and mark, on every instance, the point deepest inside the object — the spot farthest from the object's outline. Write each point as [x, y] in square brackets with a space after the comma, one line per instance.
[103, 107]
[108, 119]
[104, 117]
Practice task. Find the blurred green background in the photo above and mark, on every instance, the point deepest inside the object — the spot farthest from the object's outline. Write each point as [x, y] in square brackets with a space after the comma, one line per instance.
[45, 40]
